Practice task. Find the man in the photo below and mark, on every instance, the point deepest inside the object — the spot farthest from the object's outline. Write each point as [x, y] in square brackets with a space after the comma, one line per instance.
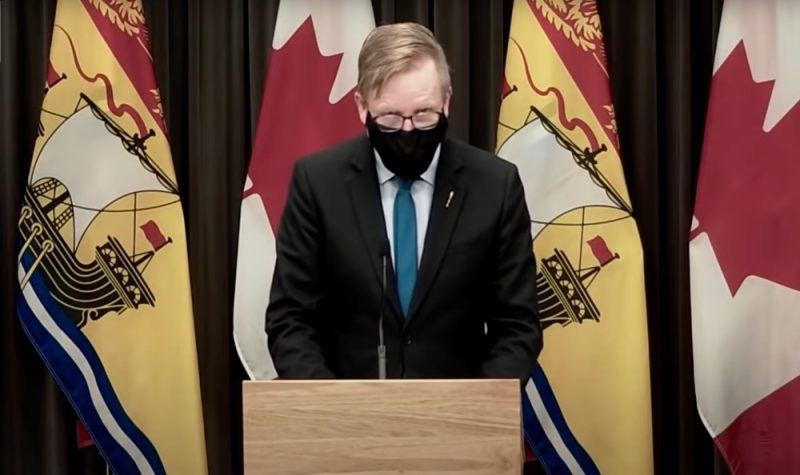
[427, 232]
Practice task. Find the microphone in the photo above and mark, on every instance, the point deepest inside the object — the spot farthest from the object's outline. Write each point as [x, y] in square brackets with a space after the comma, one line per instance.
[381, 345]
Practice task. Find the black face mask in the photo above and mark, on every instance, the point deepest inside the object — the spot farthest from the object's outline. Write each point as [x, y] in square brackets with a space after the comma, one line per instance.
[407, 153]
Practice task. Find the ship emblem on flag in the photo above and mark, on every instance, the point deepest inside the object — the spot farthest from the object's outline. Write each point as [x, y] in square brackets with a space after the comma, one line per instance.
[557, 125]
[58, 208]
[563, 283]
[104, 293]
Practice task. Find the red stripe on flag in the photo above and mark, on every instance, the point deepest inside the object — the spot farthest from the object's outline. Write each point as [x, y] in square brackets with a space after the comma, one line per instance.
[82, 436]
[129, 44]
[529, 455]
[52, 77]
[765, 438]
[586, 66]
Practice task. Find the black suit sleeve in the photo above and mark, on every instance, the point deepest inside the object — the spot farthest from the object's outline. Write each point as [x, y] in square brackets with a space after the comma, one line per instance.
[513, 331]
[291, 320]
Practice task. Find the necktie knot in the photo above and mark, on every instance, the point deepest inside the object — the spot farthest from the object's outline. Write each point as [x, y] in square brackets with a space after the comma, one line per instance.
[404, 183]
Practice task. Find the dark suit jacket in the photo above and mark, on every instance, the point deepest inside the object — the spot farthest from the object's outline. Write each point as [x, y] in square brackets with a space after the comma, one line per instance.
[473, 312]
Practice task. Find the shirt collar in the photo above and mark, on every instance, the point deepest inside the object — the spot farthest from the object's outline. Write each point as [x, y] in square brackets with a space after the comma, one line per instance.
[429, 175]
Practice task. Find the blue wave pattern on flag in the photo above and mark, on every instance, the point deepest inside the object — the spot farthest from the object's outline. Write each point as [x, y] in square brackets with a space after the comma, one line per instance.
[77, 369]
[552, 441]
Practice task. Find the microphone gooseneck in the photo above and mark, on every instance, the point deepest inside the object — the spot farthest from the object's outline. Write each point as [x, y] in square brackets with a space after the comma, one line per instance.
[381, 345]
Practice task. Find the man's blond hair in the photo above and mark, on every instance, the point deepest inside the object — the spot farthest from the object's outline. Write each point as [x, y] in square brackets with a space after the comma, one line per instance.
[393, 49]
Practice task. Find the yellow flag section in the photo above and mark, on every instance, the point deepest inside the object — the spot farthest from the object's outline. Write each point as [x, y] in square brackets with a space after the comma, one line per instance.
[104, 283]
[588, 405]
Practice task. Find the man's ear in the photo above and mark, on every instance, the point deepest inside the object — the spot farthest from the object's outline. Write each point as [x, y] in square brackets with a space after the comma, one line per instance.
[447, 95]
[362, 107]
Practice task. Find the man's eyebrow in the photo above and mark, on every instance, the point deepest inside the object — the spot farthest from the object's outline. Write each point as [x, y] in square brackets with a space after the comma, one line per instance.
[416, 111]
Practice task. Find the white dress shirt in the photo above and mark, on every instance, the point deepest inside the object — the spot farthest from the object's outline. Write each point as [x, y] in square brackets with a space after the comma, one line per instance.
[421, 192]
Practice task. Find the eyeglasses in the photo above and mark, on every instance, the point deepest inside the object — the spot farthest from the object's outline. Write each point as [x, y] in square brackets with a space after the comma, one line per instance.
[422, 120]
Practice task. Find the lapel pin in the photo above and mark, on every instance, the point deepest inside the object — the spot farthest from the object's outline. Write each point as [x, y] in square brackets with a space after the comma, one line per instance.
[449, 199]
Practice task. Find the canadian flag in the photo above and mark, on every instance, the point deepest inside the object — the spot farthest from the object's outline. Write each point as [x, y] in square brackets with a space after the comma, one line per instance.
[745, 259]
[307, 105]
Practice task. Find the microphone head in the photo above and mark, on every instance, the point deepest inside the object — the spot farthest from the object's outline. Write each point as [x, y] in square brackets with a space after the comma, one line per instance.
[385, 255]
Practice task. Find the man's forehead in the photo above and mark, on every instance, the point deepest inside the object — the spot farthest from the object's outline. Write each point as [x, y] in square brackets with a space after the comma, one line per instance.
[407, 107]
[407, 100]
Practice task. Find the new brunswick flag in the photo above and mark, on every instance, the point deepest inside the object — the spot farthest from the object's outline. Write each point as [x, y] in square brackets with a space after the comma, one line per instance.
[587, 407]
[103, 277]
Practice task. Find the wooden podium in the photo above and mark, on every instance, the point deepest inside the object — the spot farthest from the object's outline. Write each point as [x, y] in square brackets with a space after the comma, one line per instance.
[339, 427]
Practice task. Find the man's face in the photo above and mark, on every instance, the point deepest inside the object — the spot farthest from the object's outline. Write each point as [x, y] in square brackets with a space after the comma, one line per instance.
[416, 90]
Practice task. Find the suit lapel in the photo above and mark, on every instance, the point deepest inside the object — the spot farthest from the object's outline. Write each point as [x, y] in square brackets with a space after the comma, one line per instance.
[448, 196]
[365, 199]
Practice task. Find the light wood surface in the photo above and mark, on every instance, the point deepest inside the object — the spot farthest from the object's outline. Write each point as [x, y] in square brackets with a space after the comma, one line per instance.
[442, 427]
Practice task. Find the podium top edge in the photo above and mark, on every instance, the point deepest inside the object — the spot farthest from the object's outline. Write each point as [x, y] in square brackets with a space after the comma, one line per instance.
[502, 381]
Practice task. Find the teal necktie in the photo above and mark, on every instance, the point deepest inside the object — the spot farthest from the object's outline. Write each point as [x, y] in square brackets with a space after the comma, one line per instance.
[405, 243]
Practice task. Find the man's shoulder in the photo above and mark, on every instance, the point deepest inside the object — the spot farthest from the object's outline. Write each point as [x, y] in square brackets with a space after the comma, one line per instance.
[480, 161]
[334, 157]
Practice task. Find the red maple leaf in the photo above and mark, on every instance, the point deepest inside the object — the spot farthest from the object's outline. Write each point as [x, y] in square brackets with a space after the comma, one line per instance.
[296, 116]
[748, 199]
